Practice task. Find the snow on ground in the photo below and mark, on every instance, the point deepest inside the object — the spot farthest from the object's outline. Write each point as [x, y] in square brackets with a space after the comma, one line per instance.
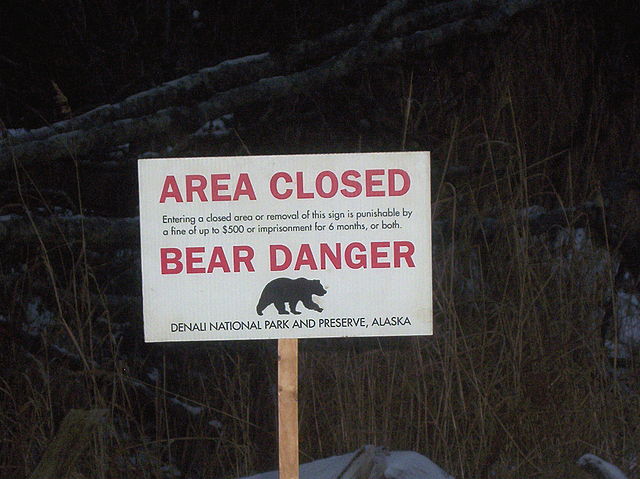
[234, 61]
[119, 152]
[16, 132]
[410, 465]
[531, 212]
[627, 338]
[154, 375]
[600, 468]
[38, 317]
[395, 464]
[217, 128]
[142, 461]
[193, 410]
[328, 468]
[593, 263]
[629, 320]
[214, 423]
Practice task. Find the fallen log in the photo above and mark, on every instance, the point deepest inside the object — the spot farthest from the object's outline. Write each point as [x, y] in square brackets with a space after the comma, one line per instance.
[385, 23]
[178, 117]
[224, 76]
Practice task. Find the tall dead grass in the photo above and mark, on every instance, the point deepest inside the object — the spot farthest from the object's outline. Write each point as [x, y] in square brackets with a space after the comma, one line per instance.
[515, 381]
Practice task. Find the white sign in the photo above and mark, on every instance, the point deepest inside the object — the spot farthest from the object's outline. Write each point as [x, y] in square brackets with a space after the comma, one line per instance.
[297, 246]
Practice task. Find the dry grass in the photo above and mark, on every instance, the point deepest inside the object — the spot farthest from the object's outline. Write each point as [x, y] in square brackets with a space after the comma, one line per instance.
[514, 383]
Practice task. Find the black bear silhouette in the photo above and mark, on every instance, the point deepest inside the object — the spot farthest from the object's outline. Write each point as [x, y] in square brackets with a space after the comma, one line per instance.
[286, 290]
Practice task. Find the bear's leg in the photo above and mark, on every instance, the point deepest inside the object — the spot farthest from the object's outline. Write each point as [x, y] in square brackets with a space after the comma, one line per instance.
[309, 304]
[292, 306]
[280, 306]
[262, 303]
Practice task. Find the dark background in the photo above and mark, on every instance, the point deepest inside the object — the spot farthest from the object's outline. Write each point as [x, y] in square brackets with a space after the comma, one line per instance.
[101, 51]
[540, 113]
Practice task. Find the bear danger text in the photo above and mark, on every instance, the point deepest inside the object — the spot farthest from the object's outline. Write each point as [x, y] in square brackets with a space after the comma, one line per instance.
[284, 185]
[303, 257]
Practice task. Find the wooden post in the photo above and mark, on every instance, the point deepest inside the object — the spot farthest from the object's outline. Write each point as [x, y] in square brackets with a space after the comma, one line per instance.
[288, 408]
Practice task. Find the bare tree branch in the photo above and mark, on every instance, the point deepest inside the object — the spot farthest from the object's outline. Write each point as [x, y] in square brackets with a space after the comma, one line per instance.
[182, 90]
[367, 52]
[225, 75]
[241, 71]
[436, 14]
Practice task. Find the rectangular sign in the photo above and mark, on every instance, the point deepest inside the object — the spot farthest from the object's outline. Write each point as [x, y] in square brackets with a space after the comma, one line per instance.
[296, 246]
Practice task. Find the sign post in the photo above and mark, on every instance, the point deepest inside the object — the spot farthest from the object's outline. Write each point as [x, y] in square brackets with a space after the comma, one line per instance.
[288, 408]
[286, 247]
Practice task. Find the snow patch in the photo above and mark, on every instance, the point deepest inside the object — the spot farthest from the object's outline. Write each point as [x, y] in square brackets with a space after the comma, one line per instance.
[215, 424]
[154, 375]
[580, 239]
[38, 317]
[628, 309]
[218, 128]
[576, 239]
[124, 253]
[141, 460]
[531, 212]
[617, 350]
[120, 151]
[580, 258]
[411, 465]
[600, 467]
[193, 410]
[396, 465]
[234, 61]
[170, 470]
[17, 132]
[64, 351]
[62, 212]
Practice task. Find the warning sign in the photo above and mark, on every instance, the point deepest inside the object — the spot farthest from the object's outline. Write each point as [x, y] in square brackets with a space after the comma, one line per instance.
[296, 246]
